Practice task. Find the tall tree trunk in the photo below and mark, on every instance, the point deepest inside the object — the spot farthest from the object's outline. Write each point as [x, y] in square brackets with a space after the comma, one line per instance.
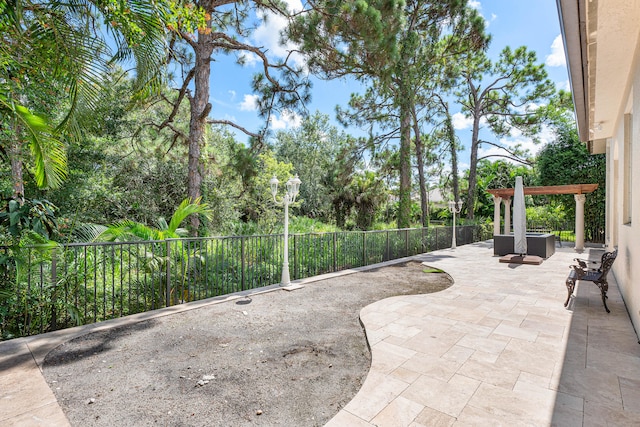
[404, 205]
[200, 108]
[453, 147]
[473, 165]
[15, 154]
[424, 195]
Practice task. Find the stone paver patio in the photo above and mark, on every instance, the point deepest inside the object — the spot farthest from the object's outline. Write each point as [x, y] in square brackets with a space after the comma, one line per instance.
[497, 348]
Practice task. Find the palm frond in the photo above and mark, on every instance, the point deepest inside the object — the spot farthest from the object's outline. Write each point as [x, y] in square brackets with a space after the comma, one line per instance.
[186, 208]
[48, 152]
[88, 232]
[128, 230]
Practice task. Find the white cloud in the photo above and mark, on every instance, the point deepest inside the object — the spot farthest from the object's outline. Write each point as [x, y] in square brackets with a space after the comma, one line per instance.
[268, 34]
[475, 4]
[545, 136]
[556, 58]
[510, 143]
[232, 94]
[249, 103]
[288, 120]
[461, 122]
[249, 58]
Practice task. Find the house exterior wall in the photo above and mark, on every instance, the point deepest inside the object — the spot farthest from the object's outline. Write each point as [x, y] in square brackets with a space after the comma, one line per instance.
[602, 45]
[623, 194]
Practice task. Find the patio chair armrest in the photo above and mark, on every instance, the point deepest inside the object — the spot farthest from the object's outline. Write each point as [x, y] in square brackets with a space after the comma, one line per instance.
[584, 262]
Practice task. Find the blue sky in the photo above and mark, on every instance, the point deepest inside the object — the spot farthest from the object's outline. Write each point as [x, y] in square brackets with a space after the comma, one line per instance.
[533, 23]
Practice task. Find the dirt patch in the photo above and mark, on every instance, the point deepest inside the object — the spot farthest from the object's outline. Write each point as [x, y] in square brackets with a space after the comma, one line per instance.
[279, 358]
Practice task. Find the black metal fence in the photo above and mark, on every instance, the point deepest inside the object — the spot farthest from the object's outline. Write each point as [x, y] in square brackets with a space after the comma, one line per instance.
[80, 283]
[564, 231]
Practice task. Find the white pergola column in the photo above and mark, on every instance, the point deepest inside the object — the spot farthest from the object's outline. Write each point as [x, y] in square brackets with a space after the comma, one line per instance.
[496, 214]
[580, 198]
[507, 215]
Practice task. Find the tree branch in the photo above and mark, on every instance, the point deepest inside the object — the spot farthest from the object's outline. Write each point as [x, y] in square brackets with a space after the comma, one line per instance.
[176, 104]
[512, 154]
[235, 125]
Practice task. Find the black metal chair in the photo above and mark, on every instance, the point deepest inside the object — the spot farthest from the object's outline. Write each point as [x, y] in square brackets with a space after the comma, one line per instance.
[596, 275]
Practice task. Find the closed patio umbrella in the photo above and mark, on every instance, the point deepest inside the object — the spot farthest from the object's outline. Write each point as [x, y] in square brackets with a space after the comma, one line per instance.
[519, 219]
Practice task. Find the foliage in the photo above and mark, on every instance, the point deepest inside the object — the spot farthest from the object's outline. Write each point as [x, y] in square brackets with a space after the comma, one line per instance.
[301, 224]
[312, 149]
[28, 256]
[46, 148]
[130, 230]
[496, 174]
[60, 45]
[507, 94]
[368, 194]
[33, 215]
[546, 214]
[391, 46]
[567, 161]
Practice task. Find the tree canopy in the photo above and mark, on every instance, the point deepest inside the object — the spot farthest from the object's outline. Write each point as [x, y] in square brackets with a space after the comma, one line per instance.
[506, 95]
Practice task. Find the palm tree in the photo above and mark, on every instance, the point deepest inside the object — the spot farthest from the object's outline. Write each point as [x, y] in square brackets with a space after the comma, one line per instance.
[61, 45]
[160, 258]
[131, 230]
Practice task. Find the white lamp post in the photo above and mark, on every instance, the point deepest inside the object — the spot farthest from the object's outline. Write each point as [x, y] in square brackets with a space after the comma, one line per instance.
[293, 186]
[454, 208]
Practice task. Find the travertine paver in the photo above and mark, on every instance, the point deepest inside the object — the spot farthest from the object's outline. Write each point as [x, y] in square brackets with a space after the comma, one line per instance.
[25, 397]
[498, 347]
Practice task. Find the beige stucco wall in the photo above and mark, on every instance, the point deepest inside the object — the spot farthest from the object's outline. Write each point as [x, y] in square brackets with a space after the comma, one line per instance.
[626, 236]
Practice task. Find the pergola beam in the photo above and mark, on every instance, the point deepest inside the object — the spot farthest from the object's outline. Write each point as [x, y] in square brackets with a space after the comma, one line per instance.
[549, 189]
[578, 190]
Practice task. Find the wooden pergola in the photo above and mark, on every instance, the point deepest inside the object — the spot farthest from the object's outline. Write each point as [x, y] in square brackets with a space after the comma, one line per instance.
[578, 190]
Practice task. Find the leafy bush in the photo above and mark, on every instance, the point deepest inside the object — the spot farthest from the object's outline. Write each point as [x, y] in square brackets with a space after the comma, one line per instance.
[35, 215]
[301, 224]
[545, 214]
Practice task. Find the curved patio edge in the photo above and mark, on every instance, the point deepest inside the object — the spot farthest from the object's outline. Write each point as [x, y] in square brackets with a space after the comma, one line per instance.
[497, 347]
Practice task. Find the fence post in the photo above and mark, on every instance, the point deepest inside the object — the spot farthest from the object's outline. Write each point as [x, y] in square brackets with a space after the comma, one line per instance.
[364, 248]
[406, 242]
[335, 251]
[168, 274]
[242, 262]
[295, 257]
[385, 256]
[54, 285]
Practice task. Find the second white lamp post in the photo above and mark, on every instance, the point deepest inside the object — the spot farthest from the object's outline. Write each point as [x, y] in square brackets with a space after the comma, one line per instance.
[293, 186]
[454, 208]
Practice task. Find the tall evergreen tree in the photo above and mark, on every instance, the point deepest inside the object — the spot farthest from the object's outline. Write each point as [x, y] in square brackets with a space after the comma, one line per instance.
[391, 47]
[226, 30]
[507, 94]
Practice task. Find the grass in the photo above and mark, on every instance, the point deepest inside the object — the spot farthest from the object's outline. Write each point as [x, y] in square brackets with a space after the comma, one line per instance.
[432, 270]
